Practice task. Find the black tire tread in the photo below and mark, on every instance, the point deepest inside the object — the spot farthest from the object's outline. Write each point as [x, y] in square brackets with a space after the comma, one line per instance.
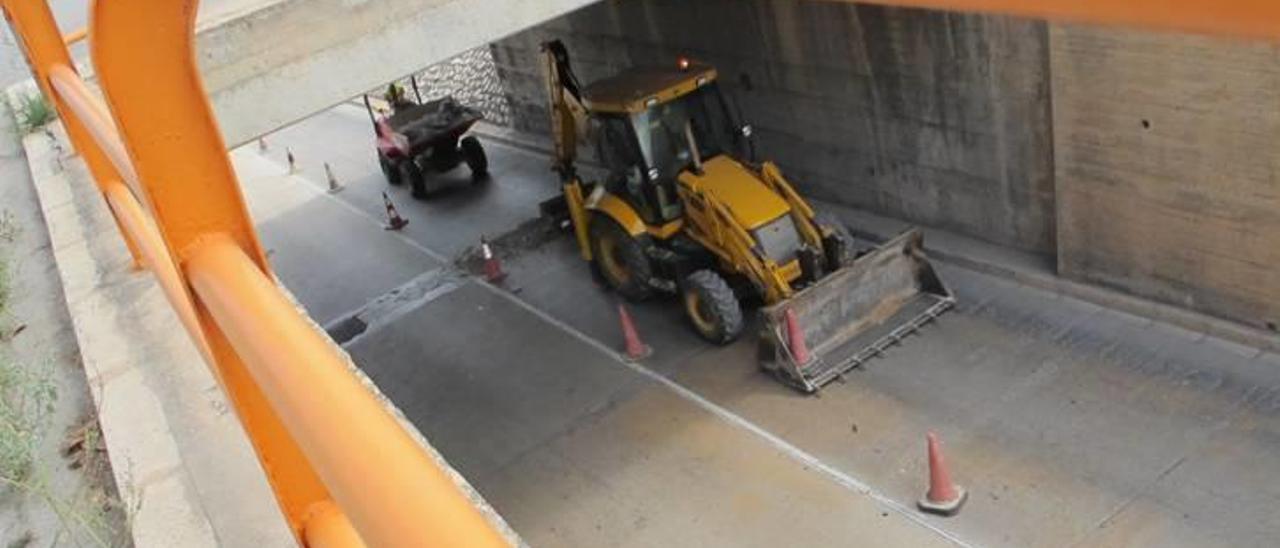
[411, 173]
[713, 289]
[473, 154]
[638, 289]
[390, 170]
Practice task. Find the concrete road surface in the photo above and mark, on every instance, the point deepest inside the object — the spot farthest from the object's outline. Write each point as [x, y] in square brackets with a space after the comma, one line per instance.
[1070, 424]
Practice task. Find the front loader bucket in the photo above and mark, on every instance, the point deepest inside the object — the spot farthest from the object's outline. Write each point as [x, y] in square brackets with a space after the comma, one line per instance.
[853, 314]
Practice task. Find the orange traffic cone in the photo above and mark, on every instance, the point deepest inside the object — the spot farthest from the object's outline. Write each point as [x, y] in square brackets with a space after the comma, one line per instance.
[795, 339]
[293, 163]
[394, 220]
[636, 350]
[492, 268]
[334, 187]
[943, 498]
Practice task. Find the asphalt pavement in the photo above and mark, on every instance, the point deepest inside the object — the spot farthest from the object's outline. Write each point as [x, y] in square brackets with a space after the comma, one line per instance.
[1070, 424]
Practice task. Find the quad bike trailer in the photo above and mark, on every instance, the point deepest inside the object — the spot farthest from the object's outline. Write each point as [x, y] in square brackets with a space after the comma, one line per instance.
[418, 138]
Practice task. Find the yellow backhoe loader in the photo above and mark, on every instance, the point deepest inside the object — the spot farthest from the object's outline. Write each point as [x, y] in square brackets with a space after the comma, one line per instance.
[684, 208]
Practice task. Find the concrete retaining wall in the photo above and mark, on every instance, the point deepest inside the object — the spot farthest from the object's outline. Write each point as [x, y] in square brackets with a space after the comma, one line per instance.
[1143, 161]
[1168, 175]
[471, 78]
[941, 119]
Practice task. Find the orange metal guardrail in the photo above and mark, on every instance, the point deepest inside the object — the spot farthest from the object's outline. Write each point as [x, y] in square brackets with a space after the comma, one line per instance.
[344, 472]
[1258, 18]
[76, 36]
[183, 218]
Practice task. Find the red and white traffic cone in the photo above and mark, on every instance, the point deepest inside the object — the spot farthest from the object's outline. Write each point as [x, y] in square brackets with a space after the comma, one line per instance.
[635, 349]
[394, 220]
[795, 339]
[492, 267]
[943, 498]
[293, 163]
[334, 187]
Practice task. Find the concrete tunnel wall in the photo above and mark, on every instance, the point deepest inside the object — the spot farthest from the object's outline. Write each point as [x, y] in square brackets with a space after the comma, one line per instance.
[1168, 175]
[1022, 133]
[933, 117]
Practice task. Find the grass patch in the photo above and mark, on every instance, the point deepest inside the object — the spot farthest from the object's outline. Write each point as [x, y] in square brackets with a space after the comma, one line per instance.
[4, 291]
[9, 227]
[27, 394]
[34, 111]
[26, 400]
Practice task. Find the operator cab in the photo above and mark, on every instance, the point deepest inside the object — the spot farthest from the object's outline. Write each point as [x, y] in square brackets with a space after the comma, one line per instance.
[655, 123]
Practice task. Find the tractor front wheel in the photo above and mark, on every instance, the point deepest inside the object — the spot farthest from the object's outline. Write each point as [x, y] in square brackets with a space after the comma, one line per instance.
[712, 307]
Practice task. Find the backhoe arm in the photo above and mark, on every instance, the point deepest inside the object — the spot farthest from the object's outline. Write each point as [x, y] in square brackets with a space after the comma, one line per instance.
[568, 116]
[564, 96]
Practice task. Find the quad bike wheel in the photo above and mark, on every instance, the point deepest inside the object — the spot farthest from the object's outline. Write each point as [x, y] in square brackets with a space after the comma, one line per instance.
[389, 170]
[410, 172]
[473, 154]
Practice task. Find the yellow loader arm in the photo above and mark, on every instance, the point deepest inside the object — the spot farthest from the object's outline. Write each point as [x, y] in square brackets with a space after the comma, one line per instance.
[801, 213]
[709, 221]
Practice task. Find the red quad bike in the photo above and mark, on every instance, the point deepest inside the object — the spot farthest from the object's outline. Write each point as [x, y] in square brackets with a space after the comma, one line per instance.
[419, 137]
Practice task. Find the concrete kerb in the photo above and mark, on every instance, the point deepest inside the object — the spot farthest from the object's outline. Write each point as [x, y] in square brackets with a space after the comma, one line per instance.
[978, 256]
[161, 500]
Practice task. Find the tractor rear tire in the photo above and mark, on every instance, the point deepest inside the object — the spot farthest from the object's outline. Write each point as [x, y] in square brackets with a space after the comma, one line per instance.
[411, 173]
[389, 170]
[712, 307]
[620, 258]
[473, 154]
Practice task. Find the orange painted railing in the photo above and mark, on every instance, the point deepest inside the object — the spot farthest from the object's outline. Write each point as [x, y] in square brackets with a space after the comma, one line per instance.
[1255, 18]
[344, 471]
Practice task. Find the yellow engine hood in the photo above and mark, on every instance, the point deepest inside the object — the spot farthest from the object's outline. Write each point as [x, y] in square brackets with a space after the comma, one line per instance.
[751, 200]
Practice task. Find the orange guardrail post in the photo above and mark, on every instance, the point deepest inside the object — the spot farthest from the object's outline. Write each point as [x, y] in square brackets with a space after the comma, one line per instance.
[398, 498]
[385, 485]
[76, 36]
[184, 217]
[36, 32]
[166, 124]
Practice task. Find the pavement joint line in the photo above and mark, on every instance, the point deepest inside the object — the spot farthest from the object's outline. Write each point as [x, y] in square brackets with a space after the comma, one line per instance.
[361, 308]
[1126, 503]
[795, 453]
